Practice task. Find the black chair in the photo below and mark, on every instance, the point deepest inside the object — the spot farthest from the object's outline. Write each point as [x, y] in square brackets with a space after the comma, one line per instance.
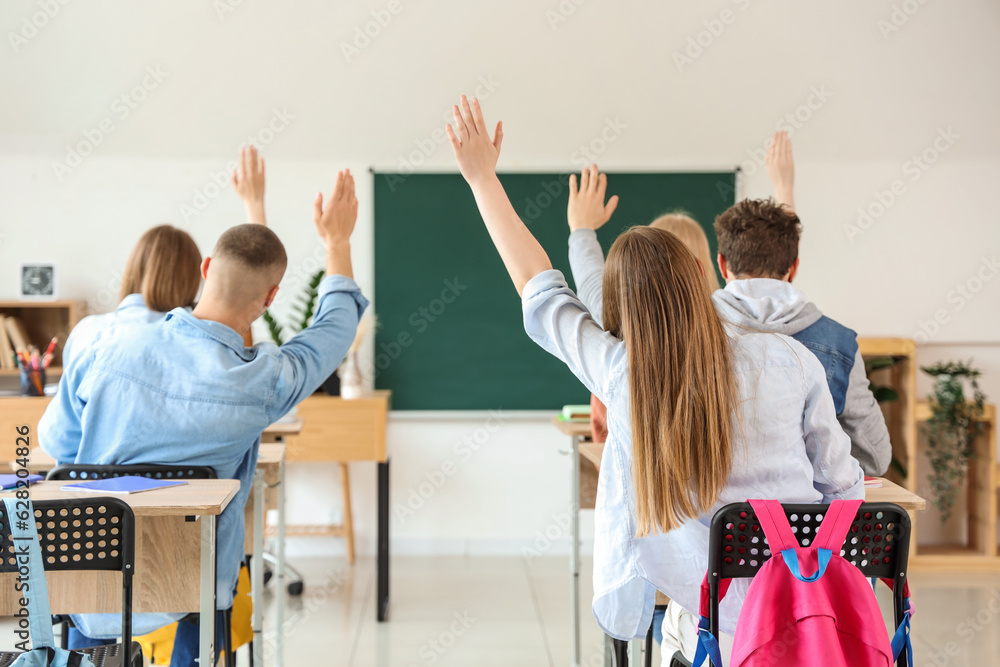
[878, 544]
[83, 472]
[85, 534]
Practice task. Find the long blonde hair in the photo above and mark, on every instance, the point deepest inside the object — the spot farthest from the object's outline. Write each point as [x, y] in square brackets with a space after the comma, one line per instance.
[687, 229]
[681, 380]
[165, 266]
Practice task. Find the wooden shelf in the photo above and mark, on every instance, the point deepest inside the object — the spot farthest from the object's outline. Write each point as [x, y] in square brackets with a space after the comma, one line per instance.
[887, 347]
[43, 320]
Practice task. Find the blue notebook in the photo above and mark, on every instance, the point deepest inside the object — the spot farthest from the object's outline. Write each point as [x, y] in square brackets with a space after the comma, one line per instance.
[123, 485]
[10, 481]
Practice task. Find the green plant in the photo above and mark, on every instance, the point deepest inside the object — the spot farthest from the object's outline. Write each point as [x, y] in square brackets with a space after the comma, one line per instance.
[951, 429]
[304, 309]
[884, 394]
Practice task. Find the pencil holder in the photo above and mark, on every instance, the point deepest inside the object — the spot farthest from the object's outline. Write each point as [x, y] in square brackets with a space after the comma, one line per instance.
[32, 382]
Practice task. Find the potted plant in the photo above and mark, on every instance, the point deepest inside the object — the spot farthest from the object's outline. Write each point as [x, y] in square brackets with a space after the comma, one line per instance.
[951, 429]
[304, 308]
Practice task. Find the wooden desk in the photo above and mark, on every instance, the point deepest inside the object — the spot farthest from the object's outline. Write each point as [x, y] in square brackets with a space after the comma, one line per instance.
[268, 481]
[341, 430]
[163, 534]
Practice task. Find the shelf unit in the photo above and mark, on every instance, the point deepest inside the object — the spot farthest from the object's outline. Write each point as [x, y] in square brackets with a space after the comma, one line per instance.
[42, 320]
[902, 418]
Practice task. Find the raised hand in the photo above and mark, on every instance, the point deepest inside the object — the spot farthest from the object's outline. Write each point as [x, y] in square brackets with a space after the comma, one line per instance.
[335, 222]
[781, 169]
[475, 152]
[248, 181]
[587, 209]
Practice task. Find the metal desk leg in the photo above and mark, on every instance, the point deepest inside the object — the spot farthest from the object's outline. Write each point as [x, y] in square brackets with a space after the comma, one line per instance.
[257, 573]
[574, 558]
[382, 592]
[206, 621]
[279, 659]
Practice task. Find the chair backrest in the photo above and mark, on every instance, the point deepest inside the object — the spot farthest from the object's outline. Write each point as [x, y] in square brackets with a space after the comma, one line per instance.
[878, 543]
[80, 471]
[82, 534]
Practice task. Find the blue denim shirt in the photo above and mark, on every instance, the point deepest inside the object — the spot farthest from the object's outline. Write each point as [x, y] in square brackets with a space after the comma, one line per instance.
[836, 347]
[186, 391]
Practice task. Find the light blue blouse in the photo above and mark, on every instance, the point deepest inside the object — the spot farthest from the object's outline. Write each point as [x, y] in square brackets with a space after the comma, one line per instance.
[790, 447]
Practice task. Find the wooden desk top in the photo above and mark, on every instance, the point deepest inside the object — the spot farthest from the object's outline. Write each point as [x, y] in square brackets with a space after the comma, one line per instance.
[199, 497]
[283, 428]
[581, 429]
[889, 492]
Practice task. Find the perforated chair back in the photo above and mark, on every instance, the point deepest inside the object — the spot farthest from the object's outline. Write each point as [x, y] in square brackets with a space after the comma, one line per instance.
[878, 544]
[79, 471]
[83, 534]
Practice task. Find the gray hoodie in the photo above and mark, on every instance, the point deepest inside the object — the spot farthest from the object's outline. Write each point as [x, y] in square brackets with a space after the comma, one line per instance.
[764, 305]
[777, 306]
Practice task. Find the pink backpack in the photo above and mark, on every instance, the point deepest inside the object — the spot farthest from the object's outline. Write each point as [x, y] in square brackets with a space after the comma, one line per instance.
[809, 607]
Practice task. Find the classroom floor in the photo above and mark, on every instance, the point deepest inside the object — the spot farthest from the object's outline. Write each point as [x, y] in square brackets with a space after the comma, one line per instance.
[487, 612]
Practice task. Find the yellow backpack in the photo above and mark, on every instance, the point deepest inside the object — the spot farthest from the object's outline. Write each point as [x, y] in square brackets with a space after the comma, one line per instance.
[159, 645]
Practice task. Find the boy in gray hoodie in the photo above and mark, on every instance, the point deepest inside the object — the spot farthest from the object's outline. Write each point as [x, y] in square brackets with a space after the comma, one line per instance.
[758, 257]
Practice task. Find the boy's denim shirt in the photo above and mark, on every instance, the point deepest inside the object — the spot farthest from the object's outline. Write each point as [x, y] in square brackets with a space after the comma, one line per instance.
[836, 347]
[183, 390]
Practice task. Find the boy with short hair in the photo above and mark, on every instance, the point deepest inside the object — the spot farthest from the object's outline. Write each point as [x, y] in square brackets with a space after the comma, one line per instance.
[759, 258]
[185, 390]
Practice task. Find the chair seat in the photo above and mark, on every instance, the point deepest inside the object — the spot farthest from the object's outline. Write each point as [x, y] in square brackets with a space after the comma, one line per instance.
[108, 655]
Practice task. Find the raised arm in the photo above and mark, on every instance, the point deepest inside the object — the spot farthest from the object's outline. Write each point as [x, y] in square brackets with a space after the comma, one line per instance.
[335, 224]
[781, 169]
[477, 157]
[248, 181]
[586, 213]
[311, 356]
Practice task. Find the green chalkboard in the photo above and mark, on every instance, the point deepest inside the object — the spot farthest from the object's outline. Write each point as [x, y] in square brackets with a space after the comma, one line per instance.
[450, 332]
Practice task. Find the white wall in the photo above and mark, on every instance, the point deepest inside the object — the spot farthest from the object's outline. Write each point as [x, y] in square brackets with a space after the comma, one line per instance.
[555, 83]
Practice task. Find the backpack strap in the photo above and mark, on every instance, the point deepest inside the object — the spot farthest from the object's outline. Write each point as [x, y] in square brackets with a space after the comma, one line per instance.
[836, 524]
[24, 535]
[774, 523]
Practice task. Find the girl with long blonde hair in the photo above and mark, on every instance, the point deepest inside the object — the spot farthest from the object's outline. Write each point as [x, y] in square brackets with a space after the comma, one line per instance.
[698, 415]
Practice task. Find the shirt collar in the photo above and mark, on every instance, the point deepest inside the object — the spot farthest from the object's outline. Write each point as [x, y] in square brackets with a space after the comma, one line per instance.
[216, 330]
[131, 301]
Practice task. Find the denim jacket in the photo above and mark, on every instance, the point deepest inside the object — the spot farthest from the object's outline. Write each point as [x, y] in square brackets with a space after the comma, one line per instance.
[181, 390]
